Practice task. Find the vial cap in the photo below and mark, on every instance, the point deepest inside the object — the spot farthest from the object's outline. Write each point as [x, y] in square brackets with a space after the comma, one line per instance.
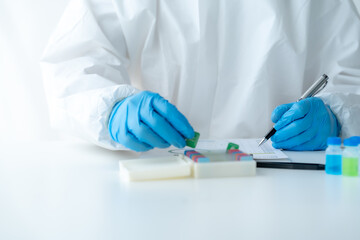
[356, 139]
[334, 141]
[350, 142]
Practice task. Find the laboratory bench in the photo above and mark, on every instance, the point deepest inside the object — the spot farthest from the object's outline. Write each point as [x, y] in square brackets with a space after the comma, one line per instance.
[72, 190]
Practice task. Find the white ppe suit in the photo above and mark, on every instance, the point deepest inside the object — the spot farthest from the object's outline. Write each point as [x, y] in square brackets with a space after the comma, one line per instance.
[225, 64]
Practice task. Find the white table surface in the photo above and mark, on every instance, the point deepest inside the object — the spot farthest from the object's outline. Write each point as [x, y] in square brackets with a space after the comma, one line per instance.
[65, 190]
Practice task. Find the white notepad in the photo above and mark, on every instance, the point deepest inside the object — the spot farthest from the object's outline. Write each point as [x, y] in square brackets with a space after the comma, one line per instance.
[249, 146]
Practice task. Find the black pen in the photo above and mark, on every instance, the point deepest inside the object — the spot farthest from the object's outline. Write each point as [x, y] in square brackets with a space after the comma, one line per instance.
[291, 165]
[314, 89]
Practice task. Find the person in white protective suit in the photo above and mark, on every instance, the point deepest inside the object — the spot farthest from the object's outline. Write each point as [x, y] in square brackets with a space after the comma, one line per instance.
[225, 65]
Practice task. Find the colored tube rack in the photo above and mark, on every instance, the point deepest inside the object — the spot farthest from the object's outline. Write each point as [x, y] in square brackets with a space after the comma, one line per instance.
[239, 155]
[221, 164]
[196, 156]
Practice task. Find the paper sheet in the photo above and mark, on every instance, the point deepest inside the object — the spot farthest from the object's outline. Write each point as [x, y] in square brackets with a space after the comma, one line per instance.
[250, 146]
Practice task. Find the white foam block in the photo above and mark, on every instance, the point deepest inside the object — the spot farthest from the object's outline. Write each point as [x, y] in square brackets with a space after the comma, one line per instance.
[155, 168]
[224, 169]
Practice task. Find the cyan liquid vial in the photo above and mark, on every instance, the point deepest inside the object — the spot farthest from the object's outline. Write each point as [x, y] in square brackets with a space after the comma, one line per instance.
[333, 156]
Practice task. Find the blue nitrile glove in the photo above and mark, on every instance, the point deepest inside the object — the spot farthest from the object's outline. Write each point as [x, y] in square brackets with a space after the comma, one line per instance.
[146, 120]
[304, 125]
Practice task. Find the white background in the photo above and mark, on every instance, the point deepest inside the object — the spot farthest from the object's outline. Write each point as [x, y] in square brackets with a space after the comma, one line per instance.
[25, 27]
[71, 191]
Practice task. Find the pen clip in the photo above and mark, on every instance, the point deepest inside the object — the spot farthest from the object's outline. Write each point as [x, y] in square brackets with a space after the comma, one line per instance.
[322, 87]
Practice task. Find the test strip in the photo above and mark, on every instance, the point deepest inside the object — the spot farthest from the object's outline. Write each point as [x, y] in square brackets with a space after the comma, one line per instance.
[239, 155]
[188, 152]
[200, 159]
[193, 155]
[243, 156]
[196, 156]
[234, 151]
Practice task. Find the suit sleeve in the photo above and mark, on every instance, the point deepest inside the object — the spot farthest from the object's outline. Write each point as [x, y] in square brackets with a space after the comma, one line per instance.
[343, 91]
[85, 71]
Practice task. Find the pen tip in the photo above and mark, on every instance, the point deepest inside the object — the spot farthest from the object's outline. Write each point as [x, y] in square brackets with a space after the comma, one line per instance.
[261, 142]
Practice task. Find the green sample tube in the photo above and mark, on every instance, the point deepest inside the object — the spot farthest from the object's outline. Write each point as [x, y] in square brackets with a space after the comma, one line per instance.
[350, 166]
[193, 141]
[350, 158]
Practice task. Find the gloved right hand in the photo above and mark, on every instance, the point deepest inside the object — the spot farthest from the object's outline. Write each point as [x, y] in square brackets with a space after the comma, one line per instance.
[146, 120]
[304, 125]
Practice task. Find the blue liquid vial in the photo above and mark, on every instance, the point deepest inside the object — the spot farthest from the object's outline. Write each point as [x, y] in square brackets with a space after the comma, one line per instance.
[333, 156]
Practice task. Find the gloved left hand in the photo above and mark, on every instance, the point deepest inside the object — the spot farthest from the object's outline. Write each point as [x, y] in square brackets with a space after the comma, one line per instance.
[304, 125]
[146, 120]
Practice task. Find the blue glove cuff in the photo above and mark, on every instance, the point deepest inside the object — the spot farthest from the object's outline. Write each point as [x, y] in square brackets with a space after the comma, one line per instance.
[113, 111]
[334, 123]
